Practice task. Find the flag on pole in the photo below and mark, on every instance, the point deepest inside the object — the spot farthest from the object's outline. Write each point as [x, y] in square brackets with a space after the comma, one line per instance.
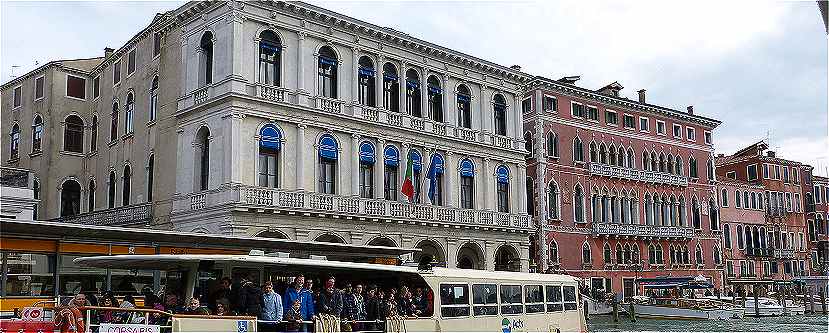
[433, 179]
[408, 181]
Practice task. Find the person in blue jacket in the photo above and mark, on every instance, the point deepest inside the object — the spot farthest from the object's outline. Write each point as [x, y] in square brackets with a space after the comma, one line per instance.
[295, 291]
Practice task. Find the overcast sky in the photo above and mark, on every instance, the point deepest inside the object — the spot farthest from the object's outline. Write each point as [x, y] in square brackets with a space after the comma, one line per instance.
[760, 67]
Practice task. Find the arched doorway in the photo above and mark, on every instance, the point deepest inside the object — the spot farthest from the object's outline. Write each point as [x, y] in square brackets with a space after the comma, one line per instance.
[329, 238]
[382, 241]
[70, 198]
[470, 256]
[507, 259]
[430, 251]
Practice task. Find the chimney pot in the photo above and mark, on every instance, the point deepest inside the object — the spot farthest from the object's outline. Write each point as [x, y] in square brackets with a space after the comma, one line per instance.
[108, 52]
[642, 95]
[516, 67]
[690, 109]
[770, 153]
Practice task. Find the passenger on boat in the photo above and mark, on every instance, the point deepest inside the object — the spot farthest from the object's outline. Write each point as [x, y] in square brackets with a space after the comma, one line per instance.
[108, 316]
[360, 301]
[296, 292]
[350, 312]
[222, 308]
[171, 303]
[223, 291]
[419, 301]
[330, 301]
[250, 298]
[194, 308]
[373, 308]
[271, 307]
[129, 317]
[294, 317]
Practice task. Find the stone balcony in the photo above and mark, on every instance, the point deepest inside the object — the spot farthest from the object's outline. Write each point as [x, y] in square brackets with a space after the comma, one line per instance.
[614, 171]
[758, 252]
[783, 254]
[246, 197]
[776, 212]
[642, 230]
[138, 214]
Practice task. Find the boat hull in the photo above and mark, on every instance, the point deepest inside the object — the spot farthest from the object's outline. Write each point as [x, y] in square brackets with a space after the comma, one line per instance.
[667, 312]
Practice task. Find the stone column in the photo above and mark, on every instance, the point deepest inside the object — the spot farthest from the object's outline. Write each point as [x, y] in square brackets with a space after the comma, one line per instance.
[515, 122]
[234, 166]
[489, 255]
[355, 165]
[355, 84]
[424, 95]
[449, 109]
[450, 172]
[237, 51]
[302, 93]
[487, 174]
[540, 191]
[486, 111]
[401, 88]
[424, 171]
[452, 253]
[300, 157]
[379, 169]
[378, 82]
[521, 182]
[188, 82]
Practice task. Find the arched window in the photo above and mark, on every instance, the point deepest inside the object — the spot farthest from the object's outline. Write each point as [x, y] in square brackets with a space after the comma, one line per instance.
[93, 134]
[553, 256]
[499, 109]
[710, 169]
[692, 167]
[682, 211]
[14, 141]
[717, 256]
[611, 155]
[464, 99]
[328, 155]
[391, 88]
[435, 94]
[586, 257]
[648, 210]
[753, 200]
[417, 166]
[270, 58]
[608, 255]
[435, 176]
[90, 207]
[696, 214]
[73, 134]
[602, 153]
[619, 254]
[654, 162]
[154, 98]
[552, 144]
[528, 144]
[646, 165]
[413, 93]
[111, 190]
[651, 254]
[578, 150]
[686, 255]
[150, 177]
[37, 134]
[530, 188]
[367, 159]
[724, 197]
[327, 72]
[661, 162]
[125, 191]
[70, 198]
[502, 178]
[578, 204]
[726, 231]
[203, 159]
[628, 259]
[391, 159]
[270, 144]
[672, 255]
[365, 82]
[467, 173]
[552, 201]
[669, 167]
[206, 59]
[740, 237]
[713, 215]
[699, 256]
[678, 165]
[659, 254]
[594, 153]
[113, 128]
[129, 107]
[631, 163]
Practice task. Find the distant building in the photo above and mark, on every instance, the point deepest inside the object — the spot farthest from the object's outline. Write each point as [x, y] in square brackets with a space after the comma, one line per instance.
[17, 194]
[817, 213]
[622, 189]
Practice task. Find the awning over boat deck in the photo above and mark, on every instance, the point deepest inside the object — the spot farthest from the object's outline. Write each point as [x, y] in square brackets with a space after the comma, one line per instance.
[670, 282]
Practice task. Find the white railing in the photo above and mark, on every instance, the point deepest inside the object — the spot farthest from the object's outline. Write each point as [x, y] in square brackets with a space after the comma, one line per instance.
[127, 215]
[394, 118]
[329, 105]
[501, 141]
[642, 230]
[614, 171]
[370, 113]
[312, 202]
[200, 95]
[466, 134]
[271, 93]
[783, 253]
[439, 128]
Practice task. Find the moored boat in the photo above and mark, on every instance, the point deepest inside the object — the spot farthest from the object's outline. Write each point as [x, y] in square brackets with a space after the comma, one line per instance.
[675, 306]
[764, 307]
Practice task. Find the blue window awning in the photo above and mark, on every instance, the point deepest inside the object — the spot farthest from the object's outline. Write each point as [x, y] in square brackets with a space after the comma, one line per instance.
[328, 147]
[367, 153]
[435, 90]
[273, 48]
[464, 98]
[270, 137]
[412, 84]
[391, 156]
[364, 71]
[467, 168]
[417, 160]
[437, 163]
[502, 174]
[390, 77]
[328, 61]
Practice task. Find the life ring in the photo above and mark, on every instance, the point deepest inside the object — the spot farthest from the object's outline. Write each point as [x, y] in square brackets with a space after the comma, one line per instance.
[69, 319]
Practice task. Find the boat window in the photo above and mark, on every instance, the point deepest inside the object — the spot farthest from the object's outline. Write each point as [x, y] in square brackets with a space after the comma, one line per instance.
[29, 274]
[75, 278]
[570, 298]
[534, 298]
[454, 300]
[484, 299]
[130, 282]
[554, 299]
[511, 299]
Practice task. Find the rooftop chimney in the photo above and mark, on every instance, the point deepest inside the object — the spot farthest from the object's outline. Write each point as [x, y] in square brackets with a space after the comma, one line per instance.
[516, 67]
[690, 109]
[611, 89]
[108, 52]
[569, 79]
[641, 96]
[770, 153]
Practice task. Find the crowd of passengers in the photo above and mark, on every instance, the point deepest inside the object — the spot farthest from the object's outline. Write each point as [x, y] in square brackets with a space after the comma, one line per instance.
[359, 307]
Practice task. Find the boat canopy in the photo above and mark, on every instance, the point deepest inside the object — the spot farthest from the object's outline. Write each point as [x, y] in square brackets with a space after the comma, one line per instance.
[670, 282]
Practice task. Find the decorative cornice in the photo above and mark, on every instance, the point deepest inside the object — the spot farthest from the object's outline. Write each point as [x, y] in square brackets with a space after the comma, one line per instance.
[544, 83]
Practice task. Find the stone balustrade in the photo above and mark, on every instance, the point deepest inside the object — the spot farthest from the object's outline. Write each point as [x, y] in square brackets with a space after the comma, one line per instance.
[120, 216]
[329, 105]
[271, 93]
[201, 95]
[312, 202]
[642, 230]
[614, 171]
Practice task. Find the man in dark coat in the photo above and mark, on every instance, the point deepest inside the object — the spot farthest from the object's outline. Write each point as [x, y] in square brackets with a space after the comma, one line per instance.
[330, 300]
[250, 298]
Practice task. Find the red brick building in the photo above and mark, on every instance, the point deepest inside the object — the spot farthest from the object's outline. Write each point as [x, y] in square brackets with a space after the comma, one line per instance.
[621, 188]
[817, 212]
[777, 240]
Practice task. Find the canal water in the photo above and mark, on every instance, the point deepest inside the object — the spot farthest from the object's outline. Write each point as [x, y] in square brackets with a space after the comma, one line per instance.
[816, 323]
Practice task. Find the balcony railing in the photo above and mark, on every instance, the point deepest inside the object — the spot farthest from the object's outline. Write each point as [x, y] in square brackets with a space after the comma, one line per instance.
[758, 252]
[776, 211]
[201, 95]
[14, 177]
[783, 254]
[642, 230]
[120, 216]
[329, 105]
[313, 202]
[614, 171]
[271, 93]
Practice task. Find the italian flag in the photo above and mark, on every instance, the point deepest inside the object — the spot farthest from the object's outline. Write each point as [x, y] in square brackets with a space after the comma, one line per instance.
[408, 182]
